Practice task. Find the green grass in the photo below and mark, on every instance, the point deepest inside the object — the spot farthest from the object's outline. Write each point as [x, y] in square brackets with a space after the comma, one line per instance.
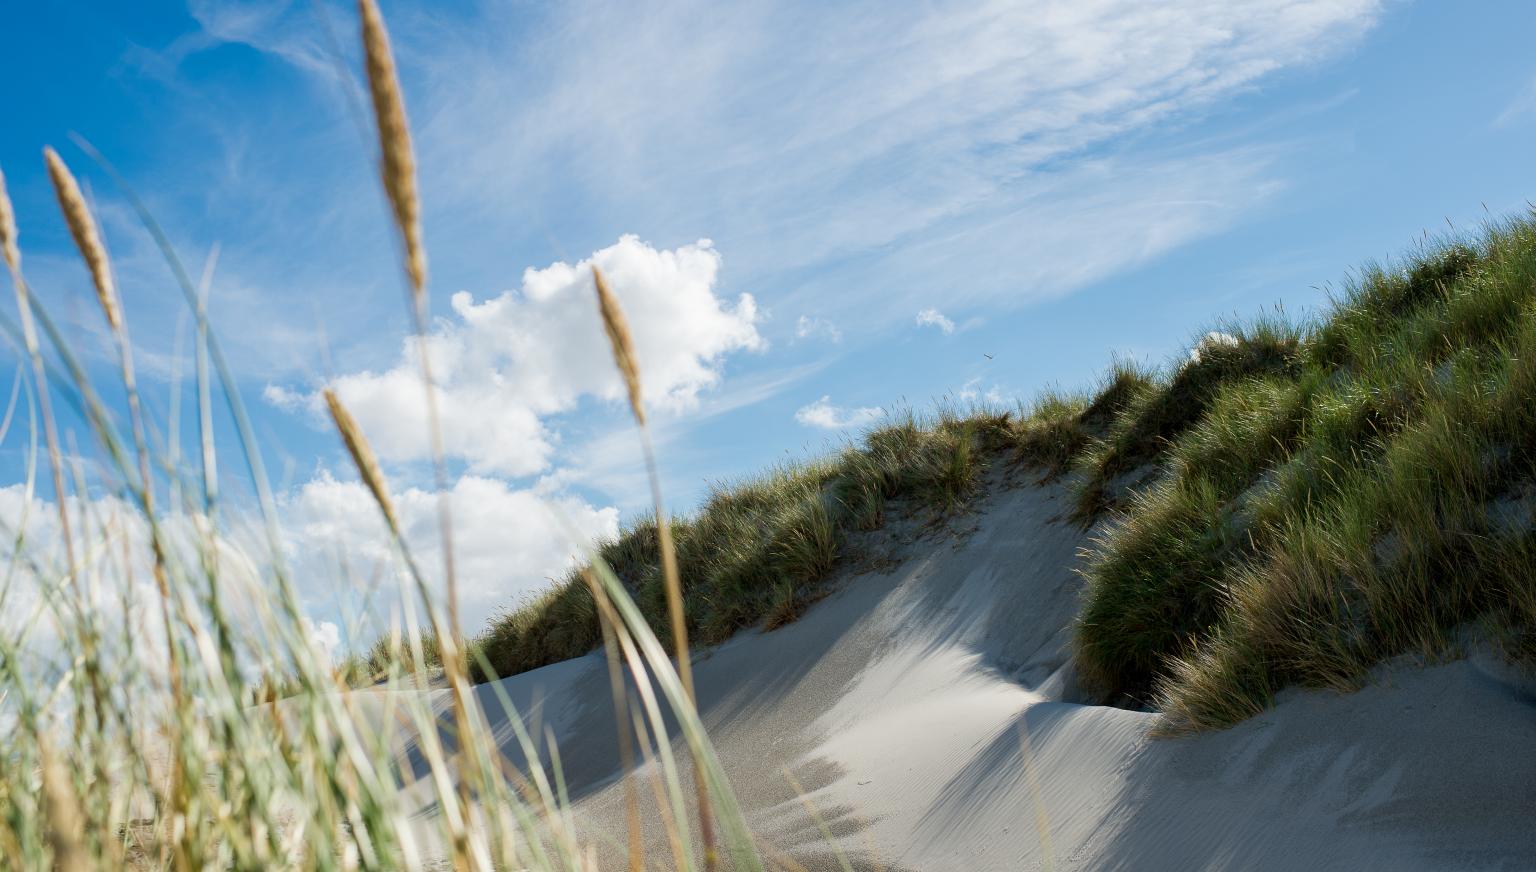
[1331, 500]
[1149, 413]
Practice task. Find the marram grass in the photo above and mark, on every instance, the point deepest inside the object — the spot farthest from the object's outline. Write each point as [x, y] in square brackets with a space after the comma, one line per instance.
[759, 550]
[1293, 505]
[1358, 491]
[171, 744]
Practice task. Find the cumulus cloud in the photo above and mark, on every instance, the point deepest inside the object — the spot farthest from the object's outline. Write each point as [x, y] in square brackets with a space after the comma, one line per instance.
[508, 542]
[829, 417]
[934, 318]
[808, 327]
[325, 636]
[284, 398]
[508, 363]
[116, 537]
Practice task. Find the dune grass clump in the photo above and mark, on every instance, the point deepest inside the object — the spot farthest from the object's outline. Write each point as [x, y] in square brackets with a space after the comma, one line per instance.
[1157, 414]
[757, 550]
[1381, 296]
[1328, 497]
[1052, 432]
[1126, 383]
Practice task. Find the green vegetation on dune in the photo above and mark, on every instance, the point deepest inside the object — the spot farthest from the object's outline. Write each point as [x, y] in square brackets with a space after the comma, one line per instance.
[756, 550]
[1153, 414]
[1291, 504]
[1351, 493]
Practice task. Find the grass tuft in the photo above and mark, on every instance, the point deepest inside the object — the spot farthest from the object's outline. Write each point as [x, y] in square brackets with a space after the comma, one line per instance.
[1328, 497]
[1156, 414]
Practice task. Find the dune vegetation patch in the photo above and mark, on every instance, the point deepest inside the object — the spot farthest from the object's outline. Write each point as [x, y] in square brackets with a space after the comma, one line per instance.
[1328, 502]
[757, 550]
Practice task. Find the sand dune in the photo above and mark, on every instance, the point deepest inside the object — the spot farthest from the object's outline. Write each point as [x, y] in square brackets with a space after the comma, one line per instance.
[927, 708]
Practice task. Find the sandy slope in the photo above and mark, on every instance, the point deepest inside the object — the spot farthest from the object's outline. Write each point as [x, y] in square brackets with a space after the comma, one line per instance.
[928, 710]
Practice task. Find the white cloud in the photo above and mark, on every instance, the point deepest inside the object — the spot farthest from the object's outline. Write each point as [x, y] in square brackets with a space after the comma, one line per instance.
[325, 636]
[904, 143]
[508, 363]
[934, 318]
[508, 542]
[829, 417]
[265, 25]
[971, 391]
[115, 539]
[285, 399]
[807, 327]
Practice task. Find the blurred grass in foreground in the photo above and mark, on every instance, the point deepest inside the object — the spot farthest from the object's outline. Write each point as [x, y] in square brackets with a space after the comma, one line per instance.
[218, 734]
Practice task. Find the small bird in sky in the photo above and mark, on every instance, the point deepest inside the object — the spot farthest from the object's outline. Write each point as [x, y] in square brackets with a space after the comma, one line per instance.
[986, 355]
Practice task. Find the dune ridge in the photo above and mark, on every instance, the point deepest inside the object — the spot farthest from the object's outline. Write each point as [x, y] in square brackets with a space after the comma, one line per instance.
[928, 710]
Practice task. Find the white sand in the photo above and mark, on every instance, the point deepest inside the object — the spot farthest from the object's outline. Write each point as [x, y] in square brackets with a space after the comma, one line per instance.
[902, 703]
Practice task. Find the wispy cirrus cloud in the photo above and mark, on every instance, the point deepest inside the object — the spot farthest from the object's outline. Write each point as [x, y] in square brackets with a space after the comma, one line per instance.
[808, 327]
[841, 152]
[871, 132]
[1522, 105]
[931, 317]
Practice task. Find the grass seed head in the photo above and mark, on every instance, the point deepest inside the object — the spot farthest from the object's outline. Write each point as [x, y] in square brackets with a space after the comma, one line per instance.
[8, 248]
[617, 328]
[83, 228]
[362, 455]
[397, 161]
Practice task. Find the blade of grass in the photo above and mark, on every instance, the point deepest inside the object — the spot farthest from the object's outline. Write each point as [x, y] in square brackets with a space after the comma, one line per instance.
[625, 358]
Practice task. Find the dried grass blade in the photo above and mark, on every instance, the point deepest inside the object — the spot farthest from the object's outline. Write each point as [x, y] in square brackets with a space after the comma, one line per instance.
[397, 161]
[82, 227]
[623, 347]
[362, 457]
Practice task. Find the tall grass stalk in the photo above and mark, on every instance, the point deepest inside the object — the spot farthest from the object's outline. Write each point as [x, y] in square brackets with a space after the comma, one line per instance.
[11, 250]
[622, 345]
[635, 845]
[83, 229]
[398, 172]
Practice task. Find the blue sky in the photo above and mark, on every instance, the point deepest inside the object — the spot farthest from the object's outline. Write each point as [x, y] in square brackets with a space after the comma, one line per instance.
[1051, 183]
